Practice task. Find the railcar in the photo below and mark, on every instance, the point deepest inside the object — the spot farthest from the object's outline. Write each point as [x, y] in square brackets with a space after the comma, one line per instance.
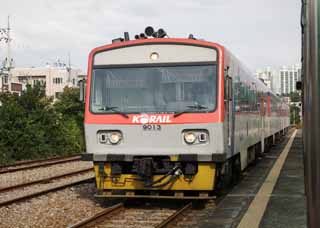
[168, 117]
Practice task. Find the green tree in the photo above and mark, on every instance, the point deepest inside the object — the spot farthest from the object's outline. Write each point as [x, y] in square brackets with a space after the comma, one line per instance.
[70, 106]
[12, 118]
[31, 127]
[295, 97]
[294, 114]
[72, 112]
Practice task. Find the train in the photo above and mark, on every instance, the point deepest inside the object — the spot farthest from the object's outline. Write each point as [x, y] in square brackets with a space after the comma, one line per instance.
[174, 117]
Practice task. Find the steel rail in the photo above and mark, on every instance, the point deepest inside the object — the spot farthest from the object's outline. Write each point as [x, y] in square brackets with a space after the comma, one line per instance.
[35, 194]
[172, 218]
[97, 217]
[18, 163]
[44, 180]
[37, 164]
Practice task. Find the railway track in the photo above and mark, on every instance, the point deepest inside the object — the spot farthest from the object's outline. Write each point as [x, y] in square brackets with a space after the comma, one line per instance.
[20, 166]
[120, 216]
[16, 193]
[175, 216]
[99, 217]
[43, 180]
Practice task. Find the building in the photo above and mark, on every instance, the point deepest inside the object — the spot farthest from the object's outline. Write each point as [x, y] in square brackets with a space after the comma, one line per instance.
[6, 84]
[54, 78]
[288, 78]
[266, 76]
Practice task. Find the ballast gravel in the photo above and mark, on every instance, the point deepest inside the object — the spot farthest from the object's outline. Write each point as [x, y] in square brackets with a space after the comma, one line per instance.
[8, 195]
[55, 210]
[137, 218]
[19, 177]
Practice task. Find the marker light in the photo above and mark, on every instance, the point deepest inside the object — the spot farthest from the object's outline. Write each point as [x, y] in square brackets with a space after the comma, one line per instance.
[103, 138]
[115, 137]
[190, 137]
[154, 56]
[203, 137]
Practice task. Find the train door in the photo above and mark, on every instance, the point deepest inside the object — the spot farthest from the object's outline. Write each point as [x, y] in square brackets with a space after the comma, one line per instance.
[269, 127]
[262, 117]
[229, 108]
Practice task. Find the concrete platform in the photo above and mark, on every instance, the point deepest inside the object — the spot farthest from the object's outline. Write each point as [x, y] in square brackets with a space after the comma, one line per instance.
[250, 205]
[287, 205]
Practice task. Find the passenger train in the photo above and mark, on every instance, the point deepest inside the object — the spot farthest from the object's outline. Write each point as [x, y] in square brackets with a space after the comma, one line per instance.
[169, 118]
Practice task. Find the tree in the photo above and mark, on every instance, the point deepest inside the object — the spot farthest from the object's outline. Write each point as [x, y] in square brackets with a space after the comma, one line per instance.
[70, 106]
[31, 127]
[72, 110]
[12, 119]
[294, 114]
[295, 97]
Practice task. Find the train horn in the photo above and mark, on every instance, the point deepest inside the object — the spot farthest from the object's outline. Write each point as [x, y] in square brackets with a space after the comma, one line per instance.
[149, 31]
[137, 37]
[161, 33]
[143, 36]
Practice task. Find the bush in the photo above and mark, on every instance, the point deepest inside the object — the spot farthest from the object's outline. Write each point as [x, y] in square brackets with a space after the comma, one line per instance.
[32, 127]
[294, 114]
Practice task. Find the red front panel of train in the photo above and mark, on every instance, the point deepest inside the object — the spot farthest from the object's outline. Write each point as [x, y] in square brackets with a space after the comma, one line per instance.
[126, 74]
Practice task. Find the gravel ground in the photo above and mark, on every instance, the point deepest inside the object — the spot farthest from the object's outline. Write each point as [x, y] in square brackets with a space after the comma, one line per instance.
[137, 218]
[20, 164]
[58, 209]
[40, 187]
[9, 179]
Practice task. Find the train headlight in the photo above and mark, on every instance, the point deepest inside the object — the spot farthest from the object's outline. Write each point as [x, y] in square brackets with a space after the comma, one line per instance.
[154, 56]
[189, 137]
[115, 137]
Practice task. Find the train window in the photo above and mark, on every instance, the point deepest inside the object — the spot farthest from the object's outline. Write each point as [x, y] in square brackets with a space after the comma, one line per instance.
[154, 89]
[236, 95]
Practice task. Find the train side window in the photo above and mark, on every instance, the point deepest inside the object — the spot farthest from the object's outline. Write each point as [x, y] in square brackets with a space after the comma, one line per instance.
[236, 94]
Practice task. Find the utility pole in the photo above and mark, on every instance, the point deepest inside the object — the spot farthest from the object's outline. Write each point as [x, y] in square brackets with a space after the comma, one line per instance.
[7, 63]
[9, 59]
[69, 71]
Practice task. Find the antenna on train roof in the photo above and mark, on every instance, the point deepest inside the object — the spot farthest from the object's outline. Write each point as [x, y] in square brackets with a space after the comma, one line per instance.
[120, 39]
[126, 36]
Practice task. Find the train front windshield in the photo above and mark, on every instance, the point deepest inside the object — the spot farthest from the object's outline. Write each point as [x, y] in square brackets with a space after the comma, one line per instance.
[170, 89]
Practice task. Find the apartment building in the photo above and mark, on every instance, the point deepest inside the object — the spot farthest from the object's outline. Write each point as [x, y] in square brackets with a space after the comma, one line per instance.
[288, 78]
[54, 78]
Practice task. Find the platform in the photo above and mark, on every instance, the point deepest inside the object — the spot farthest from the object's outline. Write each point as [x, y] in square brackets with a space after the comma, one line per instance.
[271, 193]
[287, 205]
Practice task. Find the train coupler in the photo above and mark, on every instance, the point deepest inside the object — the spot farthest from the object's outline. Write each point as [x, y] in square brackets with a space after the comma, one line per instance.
[144, 167]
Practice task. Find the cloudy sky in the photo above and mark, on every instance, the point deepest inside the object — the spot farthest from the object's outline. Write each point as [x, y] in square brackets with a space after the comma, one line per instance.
[260, 32]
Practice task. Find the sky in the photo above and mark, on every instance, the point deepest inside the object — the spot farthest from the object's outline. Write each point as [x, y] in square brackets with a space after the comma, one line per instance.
[260, 33]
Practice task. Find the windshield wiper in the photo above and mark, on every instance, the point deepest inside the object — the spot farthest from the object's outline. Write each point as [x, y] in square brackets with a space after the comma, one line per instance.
[190, 108]
[197, 106]
[115, 110]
